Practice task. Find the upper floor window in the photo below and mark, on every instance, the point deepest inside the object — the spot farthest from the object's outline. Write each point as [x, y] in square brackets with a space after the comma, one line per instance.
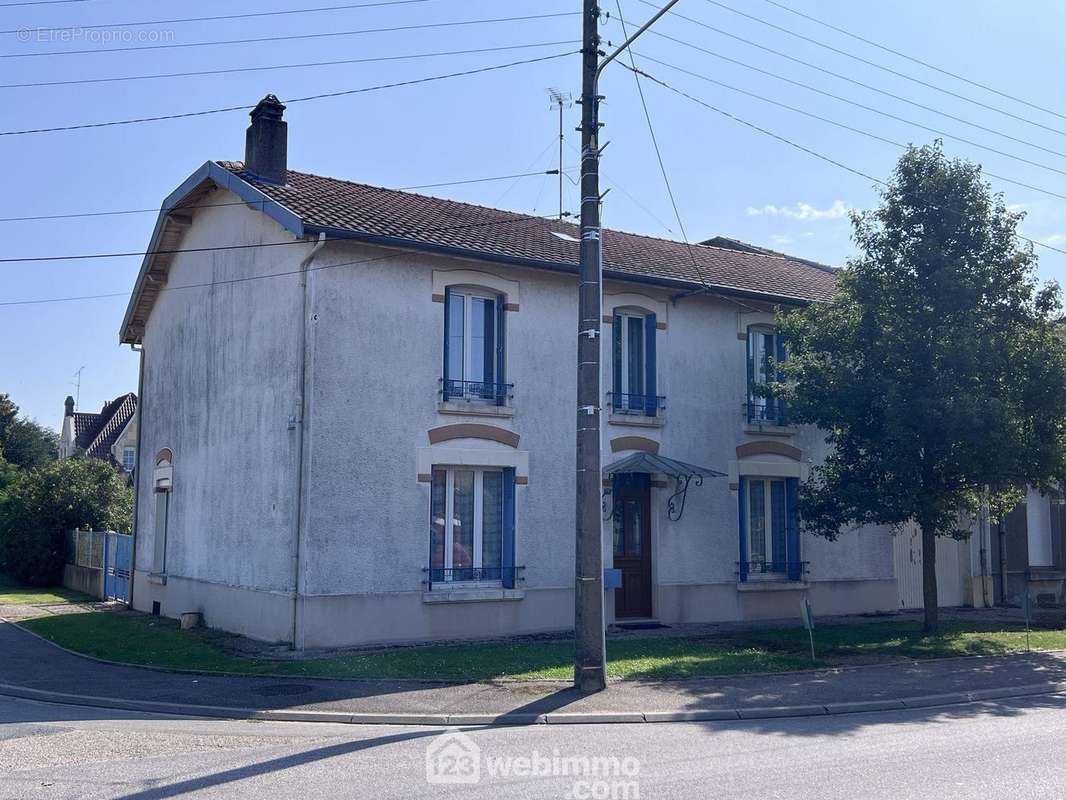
[472, 526]
[634, 389]
[766, 348]
[129, 458]
[474, 341]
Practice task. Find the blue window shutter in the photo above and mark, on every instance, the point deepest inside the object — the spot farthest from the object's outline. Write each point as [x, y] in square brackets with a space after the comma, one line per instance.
[792, 533]
[750, 359]
[444, 374]
[501, 355]
[616, 385]
[651, 395]
[507, 561]
[742, 494]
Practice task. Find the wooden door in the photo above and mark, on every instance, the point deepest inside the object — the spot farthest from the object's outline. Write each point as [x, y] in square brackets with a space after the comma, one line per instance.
[632, 545]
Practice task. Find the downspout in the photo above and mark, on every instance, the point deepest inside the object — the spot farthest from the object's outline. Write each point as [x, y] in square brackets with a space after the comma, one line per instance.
[137, 466]
[297, 421]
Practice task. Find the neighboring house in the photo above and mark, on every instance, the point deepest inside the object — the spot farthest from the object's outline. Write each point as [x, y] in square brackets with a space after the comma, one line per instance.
[369, 436]
[108, 435]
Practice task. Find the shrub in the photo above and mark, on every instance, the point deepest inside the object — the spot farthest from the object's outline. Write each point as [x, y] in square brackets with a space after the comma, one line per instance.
[38, 510]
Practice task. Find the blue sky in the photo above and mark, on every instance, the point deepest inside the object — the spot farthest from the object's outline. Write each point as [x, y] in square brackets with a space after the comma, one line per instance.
[728, 178]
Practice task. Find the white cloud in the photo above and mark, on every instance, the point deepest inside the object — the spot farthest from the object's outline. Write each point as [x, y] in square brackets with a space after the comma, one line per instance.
[1054, 239]
[801, 211]
[781, 239]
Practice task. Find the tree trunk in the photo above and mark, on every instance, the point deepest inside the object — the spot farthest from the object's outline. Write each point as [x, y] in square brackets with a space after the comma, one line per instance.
[929, 595]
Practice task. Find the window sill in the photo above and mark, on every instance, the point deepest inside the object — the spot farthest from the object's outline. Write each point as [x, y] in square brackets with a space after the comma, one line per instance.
[471, 595]
[635, 420]
[476, 409]
[158, 578]
[769, 429]
[771, 584]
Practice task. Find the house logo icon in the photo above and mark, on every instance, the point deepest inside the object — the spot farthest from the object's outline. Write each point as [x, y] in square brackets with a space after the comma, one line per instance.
[453, 757]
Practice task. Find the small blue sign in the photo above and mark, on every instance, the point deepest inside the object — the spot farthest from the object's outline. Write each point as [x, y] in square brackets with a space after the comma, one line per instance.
[612, 579]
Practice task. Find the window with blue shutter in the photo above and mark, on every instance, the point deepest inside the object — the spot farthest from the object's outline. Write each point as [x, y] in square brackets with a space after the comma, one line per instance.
[765, 349]
[474, 347]
[472, 525]
[634, 364]
[769, 527]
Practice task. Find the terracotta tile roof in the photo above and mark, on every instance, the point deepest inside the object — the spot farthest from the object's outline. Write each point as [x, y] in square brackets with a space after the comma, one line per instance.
[492, 233]
[95, 433]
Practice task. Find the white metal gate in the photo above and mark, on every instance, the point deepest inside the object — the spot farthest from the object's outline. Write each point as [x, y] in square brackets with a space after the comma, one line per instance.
[907, 555]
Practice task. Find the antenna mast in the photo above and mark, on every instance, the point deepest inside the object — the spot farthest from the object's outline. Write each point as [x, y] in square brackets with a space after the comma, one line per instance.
[562, 100]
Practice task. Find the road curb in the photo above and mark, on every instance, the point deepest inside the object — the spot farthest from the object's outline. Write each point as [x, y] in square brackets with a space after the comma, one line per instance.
[551, 718]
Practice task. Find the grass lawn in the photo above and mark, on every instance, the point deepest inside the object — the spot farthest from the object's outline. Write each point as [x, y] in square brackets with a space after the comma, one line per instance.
[141, 639]
[15, 594]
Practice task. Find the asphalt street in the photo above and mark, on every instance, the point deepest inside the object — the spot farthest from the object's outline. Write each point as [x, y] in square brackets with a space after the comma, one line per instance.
[1014, 749]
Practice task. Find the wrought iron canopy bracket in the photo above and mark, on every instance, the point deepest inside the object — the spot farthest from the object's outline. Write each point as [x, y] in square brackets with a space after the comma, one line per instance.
[675, 505]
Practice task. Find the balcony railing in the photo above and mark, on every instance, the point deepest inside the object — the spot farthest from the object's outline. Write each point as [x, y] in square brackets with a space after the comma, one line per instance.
[765, 411]
[644, 405]
[499, 394]
[450, 575]
[794, 570]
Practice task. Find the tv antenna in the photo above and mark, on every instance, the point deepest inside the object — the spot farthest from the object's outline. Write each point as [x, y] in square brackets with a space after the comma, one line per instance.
[77, 386]
[563, 100]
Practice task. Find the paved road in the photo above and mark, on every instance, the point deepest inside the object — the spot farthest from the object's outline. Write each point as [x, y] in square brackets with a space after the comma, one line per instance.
[1015, 749]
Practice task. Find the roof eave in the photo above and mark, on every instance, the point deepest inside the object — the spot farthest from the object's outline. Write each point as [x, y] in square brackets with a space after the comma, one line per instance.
[556, 266]
[224, 179]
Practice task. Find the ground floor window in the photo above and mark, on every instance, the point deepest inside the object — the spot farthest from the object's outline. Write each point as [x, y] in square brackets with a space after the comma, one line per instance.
[769, 527]
[472, 525]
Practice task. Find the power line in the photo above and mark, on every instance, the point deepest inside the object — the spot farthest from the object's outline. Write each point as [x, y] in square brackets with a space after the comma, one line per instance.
[833, 122]
[290, 37]
[324, 95]
[881, 67]
[231, 70]
[324, 195]
[802, 148]
[247, 278]
[926, 64]
[44, 29]
[41, 3]
[658, 152]
[811, 88]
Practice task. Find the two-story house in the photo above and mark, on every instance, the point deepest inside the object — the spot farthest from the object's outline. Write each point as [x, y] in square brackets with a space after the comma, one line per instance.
[358, 408]
[109, 434]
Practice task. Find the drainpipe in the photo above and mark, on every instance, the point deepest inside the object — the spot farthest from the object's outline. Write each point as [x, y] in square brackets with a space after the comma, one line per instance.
[297, 422]
[137, 465]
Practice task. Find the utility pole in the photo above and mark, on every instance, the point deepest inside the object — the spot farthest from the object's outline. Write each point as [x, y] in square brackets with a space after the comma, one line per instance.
[590, 654]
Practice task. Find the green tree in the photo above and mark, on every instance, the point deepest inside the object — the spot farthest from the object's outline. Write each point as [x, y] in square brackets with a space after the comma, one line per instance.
[38, 510]
[937, 369]
[23, 442]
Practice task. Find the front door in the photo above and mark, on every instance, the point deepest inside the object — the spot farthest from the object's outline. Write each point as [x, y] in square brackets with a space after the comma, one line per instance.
[632, 544]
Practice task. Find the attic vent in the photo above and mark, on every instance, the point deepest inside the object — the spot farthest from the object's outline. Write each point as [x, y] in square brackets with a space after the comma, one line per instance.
[566, 237]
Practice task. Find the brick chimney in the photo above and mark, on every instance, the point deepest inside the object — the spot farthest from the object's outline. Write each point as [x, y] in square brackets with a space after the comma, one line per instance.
[266, 141]
[68, 405]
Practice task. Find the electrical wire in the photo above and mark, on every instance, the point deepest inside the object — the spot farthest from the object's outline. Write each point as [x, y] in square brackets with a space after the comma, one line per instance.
[925, 64]
[188, 114]
[803, 148]
[247, 278]
[881, 67]
[289, 37]
[828, 121]
[786, 79]
[106, 25]
[232, 70]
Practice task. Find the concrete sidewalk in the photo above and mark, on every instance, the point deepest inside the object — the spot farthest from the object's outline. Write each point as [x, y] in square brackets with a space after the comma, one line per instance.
[33, 668]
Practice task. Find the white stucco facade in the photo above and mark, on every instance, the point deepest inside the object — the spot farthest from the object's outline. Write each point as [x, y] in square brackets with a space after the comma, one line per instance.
[326, 542]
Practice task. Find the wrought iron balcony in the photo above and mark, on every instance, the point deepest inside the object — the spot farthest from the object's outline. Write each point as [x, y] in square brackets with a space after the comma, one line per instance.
[795, 570]
[644, 405]
[765, 411]
[475, 391]
[451, 575]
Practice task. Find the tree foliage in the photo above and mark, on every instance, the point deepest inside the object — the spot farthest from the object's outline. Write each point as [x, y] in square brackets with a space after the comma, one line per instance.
[38, 510]
[937, 370]
[23, 442]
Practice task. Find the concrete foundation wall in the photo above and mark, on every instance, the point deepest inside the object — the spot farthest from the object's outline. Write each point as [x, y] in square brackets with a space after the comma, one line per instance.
[84, 579]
